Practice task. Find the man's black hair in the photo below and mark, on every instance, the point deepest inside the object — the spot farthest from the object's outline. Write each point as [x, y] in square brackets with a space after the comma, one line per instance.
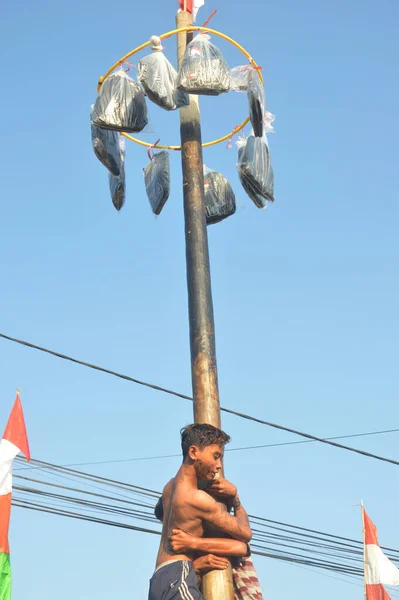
[202, 435]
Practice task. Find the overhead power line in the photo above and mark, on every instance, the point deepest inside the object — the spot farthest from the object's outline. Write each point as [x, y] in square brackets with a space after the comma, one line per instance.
[120, 504]
[93, 481]
[163, 456]
[95, 367]
[226, 410]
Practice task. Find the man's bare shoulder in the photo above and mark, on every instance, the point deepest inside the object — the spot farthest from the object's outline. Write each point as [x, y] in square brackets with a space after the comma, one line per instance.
[201, 501]
[168, 487]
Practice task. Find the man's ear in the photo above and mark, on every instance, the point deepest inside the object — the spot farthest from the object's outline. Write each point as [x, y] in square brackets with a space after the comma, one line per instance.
[193, 452]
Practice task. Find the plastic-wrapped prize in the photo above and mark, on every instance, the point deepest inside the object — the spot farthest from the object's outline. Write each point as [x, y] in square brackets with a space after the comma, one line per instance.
[106, 148]
[255, 171]
[256, 101]
[239, 78]
[120, 105]
[157, 180]
[158, 78]
[117, 185]
[220, 201]
[203, 69]
[117, 188]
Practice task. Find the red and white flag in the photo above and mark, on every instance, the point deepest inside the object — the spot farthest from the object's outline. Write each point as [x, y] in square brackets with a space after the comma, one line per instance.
[378, 569]
[14, 441]
[191, 6]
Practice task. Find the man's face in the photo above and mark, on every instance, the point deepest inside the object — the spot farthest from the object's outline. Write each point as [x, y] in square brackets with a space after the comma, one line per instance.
[208, 461]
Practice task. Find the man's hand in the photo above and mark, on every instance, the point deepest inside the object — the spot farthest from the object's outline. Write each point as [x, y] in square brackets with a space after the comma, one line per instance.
[206, 563]
[179, 541]
[221, 488]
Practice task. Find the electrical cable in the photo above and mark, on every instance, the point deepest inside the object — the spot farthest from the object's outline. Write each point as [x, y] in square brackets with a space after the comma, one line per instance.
[162, 456]
[226, 410]
[272, 539]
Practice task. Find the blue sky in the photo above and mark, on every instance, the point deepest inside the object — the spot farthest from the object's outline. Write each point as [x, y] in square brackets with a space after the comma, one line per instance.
[305, 292]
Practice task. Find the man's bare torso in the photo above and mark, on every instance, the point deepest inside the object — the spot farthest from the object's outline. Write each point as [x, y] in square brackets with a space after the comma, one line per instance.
[179, 513]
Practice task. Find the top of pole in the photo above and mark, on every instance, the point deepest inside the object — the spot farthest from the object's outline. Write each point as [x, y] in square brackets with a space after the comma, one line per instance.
[183, 19]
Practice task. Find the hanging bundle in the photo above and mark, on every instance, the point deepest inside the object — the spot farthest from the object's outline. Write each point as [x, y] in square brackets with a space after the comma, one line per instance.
[106, 147]
[256, 101]
[117, 188]
[220, 201]
[158, 78]
[203, 69]
[121, 104]
[255, 171]
[239, 78]
[117, 185]
[157, 180]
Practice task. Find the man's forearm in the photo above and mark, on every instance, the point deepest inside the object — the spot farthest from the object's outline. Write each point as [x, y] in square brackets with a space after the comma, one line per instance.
[240, 513]
[220, 546]
[216, 515]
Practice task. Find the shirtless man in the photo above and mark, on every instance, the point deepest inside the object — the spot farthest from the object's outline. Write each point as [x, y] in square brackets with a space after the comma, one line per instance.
[210, 552]
[188, 509]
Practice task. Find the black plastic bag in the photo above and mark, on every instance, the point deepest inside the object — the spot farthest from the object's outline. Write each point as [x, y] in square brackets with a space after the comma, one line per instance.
[203, 69]
[117, 184]
[255, 171]
[106, 148]
[220, 201]
[117, 188]
[158, 78]
[256, 101]
[157, 180]
[121, 104]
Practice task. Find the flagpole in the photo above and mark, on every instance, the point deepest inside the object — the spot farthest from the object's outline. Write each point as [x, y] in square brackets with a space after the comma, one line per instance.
[364, 550]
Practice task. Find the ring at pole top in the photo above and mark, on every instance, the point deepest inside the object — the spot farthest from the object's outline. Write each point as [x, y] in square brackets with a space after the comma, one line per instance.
[163, 37]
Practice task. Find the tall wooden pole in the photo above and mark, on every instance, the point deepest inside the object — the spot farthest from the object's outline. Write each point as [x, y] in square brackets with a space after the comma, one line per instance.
[217, 585]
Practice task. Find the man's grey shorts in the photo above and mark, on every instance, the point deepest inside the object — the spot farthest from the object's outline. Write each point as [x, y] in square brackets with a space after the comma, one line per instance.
[175, 580]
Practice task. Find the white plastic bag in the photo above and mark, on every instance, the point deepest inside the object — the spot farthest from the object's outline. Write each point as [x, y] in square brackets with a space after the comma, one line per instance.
[269, 119]
[220, 201]
[255, 170]
[239, 78]
[158, 78]
[121, 104]
[203, 69]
